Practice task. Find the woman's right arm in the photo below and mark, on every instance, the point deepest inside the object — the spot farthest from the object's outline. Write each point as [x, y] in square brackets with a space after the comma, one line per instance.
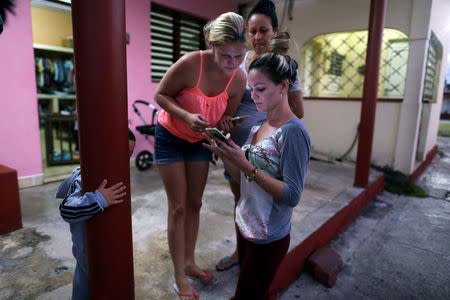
[177, 78]
[295, 98]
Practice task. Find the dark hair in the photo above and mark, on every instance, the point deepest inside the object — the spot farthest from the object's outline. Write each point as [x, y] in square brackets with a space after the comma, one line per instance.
[265, 7]
[277, 67]
[5, 5]
[276, 64]
[131, 135]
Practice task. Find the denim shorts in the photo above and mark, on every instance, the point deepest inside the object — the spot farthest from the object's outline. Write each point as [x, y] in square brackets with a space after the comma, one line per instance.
[170, 148]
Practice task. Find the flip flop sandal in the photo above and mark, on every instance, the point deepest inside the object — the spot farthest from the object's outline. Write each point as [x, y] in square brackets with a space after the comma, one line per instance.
[193, 295]
[206, 278]
[227, 260]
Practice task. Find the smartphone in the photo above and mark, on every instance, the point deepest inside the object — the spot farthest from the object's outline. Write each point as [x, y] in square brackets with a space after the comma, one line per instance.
[216, 133]
[239, 119]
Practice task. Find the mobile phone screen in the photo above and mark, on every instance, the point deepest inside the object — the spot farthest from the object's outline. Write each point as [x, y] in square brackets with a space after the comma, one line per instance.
[239, 119]
[214, 132]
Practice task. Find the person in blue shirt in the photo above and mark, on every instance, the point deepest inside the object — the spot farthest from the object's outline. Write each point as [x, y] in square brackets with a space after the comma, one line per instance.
[263, 29]
[271, 167]
[77, 207]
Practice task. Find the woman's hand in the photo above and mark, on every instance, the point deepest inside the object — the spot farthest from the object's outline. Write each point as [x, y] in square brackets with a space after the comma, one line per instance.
[231, 153]
[196, 122]
[232, 156]
[225, 124]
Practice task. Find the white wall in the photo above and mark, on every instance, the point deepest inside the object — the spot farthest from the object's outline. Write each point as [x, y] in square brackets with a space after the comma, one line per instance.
[440, 24]
[332, 124]
[313, 17]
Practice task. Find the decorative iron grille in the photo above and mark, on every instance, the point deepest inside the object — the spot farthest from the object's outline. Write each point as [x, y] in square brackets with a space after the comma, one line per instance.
[333, 64]
[433, 68]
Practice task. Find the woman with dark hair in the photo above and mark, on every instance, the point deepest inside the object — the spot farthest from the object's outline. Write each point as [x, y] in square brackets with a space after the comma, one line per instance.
[271, 168]
[262, 23]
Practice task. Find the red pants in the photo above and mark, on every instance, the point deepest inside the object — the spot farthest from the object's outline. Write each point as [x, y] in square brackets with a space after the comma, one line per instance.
[258, 264]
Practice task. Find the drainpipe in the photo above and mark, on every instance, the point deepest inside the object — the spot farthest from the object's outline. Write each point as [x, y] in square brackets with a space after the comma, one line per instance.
[101, 87]
[369, 101]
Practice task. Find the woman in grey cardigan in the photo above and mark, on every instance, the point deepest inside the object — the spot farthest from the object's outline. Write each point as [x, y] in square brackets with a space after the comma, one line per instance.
[271, 168]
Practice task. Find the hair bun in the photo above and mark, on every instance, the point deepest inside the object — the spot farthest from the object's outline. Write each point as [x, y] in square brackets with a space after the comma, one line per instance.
[278, 67]
[279, 44]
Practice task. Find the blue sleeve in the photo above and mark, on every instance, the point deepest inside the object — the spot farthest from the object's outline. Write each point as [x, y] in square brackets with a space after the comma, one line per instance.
[295, 154]
[297, 86]
[79, 207]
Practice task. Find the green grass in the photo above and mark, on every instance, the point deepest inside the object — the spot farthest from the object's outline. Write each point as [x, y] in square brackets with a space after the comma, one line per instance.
[407, 189]
[444, 129]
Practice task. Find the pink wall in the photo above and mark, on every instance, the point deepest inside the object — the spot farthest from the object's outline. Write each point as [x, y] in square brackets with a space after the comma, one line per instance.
[19, 130]
[138, 65]
[201, 8]
[140, 85]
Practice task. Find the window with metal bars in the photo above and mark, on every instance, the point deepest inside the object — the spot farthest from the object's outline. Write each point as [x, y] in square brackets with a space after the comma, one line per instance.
[173, 34]
[433, 68]
[333, 64]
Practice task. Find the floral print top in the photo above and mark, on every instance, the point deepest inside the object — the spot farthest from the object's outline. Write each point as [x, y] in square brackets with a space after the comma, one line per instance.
[283, 155]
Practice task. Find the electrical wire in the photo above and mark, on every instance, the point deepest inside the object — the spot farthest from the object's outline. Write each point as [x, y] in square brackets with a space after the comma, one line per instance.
[341, 158]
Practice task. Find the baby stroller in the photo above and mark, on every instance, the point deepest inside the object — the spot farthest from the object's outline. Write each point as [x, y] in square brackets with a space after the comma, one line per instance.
[144, 159]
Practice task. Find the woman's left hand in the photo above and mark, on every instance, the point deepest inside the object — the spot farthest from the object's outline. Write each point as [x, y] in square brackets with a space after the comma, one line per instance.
[225, 124]
[231, 152]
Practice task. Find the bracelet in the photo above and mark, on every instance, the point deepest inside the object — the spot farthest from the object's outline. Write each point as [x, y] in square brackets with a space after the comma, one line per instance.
[250, 177]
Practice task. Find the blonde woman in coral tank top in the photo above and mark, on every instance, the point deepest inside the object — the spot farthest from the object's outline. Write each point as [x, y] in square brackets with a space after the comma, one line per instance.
[202, 89]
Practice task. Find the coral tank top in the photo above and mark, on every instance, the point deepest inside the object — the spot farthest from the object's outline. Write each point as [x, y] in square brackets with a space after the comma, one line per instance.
[194, 101]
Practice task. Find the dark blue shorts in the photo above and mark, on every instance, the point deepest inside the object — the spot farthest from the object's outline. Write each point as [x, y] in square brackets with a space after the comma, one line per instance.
[170, 148]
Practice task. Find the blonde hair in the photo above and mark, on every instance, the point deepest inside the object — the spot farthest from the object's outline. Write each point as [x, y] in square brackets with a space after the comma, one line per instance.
[226, 28]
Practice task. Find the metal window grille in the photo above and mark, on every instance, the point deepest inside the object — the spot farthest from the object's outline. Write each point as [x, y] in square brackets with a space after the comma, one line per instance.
[173, 34]
[333, 64]
[433, 68]
[336, 63]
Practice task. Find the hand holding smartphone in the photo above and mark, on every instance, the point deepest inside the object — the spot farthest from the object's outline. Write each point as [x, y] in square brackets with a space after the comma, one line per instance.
[216, 133]
[238, 119]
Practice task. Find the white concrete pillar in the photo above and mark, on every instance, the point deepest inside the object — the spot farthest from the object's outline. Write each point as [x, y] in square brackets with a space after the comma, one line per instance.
[405, 152]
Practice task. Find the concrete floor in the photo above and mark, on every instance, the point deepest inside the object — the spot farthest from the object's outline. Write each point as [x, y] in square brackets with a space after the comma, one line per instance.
[36, 261]
[397, 248]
